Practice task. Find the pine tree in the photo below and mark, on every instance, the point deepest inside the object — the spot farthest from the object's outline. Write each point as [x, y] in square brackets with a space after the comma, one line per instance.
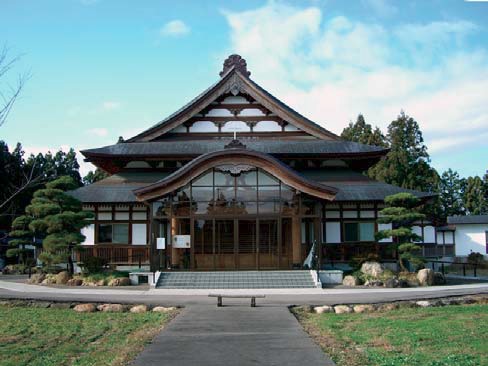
[21, 236]
[451, 194]
[401, 214]
[362, 132]
[94, 176]
[474, 196]
[58, 217]
[407, 164]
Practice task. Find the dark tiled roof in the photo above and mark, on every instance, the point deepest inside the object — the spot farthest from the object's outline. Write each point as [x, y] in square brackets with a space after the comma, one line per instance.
[352, 186]
[198, 147]
[469, 219]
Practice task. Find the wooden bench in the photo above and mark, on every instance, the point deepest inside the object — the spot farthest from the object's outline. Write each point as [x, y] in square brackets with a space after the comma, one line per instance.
[252, 297]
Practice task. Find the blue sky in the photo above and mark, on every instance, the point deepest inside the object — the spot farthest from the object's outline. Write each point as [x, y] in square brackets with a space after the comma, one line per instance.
[101, 68]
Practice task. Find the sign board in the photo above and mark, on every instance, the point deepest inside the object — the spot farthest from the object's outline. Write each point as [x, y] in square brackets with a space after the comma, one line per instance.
[161, 243]
[181, 241]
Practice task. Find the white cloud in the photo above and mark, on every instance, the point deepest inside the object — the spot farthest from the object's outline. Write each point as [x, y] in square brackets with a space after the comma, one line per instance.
[98, 131]
[175, 28]
[332, 69]
[110, 105]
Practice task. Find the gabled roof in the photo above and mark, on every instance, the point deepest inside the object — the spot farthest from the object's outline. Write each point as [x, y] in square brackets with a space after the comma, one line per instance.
[234, 80]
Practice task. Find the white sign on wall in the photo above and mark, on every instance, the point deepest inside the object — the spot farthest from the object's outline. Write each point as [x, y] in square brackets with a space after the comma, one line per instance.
[181, 241]
[161, 243]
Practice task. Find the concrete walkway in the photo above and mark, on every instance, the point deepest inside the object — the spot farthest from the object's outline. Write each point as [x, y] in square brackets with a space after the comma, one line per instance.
[233, 335]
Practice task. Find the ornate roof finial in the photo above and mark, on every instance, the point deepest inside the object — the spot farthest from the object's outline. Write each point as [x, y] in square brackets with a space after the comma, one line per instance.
[238, 63]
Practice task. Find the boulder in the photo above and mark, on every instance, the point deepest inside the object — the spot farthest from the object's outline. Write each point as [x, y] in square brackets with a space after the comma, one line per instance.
[425, 277]
[439, 278]
[373, 269]
[75, 282]
[391, 283]
[342, 309]
[323, 309]
[85, 308]
[49, 280]
[62, 278]
[137, 309]
[120, 281]
[388, 307]
[37, 278]
[424, 304]
[350, 281]
[366, 308]
[374, 283]
[163, 309]
[111, 308]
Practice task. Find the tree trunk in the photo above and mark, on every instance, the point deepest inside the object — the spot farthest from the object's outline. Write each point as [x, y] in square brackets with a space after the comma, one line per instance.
[71, 266]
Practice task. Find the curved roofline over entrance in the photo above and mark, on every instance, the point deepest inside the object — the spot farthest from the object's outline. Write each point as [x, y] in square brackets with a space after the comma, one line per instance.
[234, 156]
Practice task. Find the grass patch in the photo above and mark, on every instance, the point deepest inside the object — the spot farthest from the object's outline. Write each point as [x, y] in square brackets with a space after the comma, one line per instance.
[441, 336]
[45, 337]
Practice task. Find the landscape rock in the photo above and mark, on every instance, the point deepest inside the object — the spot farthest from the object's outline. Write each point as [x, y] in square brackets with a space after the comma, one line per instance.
[75, 282]
[402, 283]
[425, 277]
[424, 304]
[365, 308]
[85, 308]
[372, 269]
[37, 278]
[342, 309]
[391, 283]
[350, 281]
[62, 278]
[163, 309]
[138, 309]
[373, 283]
[439, 278]
[40, 304]
[323, 309]
[121, 281]
[388, 307]
[111, 308]
[49, 280]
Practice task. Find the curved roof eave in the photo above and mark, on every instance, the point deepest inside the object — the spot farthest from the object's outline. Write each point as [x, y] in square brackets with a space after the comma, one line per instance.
[235, 156]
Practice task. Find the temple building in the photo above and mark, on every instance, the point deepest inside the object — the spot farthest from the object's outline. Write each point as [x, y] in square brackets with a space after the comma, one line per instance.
[236, 180]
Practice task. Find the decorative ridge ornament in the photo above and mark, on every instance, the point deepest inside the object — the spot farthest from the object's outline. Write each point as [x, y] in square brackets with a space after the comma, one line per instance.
[235, 144]
[238, 63]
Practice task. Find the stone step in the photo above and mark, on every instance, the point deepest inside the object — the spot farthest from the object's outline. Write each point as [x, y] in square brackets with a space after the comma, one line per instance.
[235, 280]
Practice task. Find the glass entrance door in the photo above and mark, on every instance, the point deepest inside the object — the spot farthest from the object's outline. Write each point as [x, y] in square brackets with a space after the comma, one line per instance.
[268, 244]
[246, 244]
[225, 254]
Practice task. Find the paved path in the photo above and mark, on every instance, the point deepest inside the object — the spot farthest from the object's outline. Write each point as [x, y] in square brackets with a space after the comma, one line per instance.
[233, 335]
[273, 297]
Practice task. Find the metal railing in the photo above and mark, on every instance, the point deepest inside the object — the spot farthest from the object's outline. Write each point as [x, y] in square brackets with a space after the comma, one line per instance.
[459, 268]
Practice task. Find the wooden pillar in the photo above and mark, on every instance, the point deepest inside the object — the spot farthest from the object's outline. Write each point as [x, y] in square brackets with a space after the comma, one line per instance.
[175, 254]
[296, 241]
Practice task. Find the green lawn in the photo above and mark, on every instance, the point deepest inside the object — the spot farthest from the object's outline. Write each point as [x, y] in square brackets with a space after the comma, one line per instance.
[35, 337]
[451, 335]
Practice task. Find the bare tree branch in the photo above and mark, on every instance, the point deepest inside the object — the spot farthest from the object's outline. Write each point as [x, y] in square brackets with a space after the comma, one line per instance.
[10, 95]
[30, 180]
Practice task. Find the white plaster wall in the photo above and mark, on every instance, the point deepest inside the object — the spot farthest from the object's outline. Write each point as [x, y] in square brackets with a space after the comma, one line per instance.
[139, 234]
[290, 127]
[267, 126]
[89, 233]
[137, 164]
[235, 100]
[251, 112]
[429, 234]
[366, 214]
[217, 112]
[179, 129]
[237, 126]
[470, 238]
[139, 215]
[204, 126]
[332, 232]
